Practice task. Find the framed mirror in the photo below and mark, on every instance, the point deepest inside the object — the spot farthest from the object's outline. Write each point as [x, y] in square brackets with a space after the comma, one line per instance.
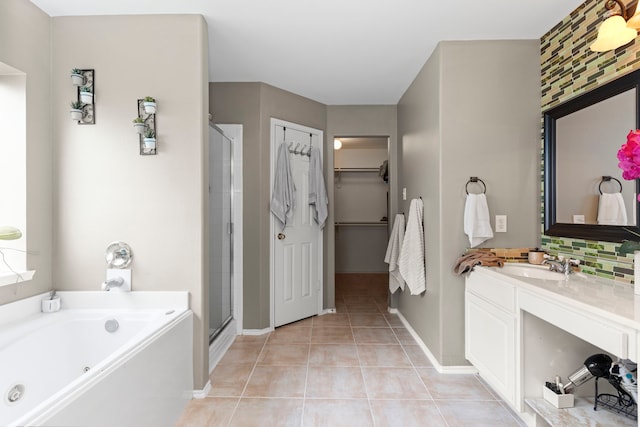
[581, 140]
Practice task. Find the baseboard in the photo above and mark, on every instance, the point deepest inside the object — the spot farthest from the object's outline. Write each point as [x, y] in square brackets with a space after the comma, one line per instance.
[256, 331]
[221, 344]
[201, 394]
[464, 369]
[327, 311]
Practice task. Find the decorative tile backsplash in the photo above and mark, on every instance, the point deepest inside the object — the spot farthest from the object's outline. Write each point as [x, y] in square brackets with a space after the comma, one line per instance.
[569, 68]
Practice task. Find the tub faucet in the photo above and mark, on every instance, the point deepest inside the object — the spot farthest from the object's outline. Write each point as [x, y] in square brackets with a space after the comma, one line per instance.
[114, 282]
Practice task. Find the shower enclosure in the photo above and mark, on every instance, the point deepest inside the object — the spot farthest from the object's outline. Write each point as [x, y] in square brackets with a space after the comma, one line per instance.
[220, 231]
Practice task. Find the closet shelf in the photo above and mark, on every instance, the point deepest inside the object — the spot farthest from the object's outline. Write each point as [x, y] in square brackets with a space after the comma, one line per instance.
[361, 223]
[356, 170]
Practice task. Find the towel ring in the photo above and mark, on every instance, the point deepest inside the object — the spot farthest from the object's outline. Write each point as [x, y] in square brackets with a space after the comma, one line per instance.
[475, 179]
[607, 179]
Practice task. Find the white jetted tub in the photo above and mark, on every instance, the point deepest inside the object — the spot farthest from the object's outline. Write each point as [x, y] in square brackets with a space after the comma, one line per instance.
[105, 359]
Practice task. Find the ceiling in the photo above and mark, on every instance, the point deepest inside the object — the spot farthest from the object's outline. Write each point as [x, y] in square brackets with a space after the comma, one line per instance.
[337, 52]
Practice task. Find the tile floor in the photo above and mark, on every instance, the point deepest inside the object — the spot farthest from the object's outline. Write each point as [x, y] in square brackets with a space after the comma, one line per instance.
[358, 367]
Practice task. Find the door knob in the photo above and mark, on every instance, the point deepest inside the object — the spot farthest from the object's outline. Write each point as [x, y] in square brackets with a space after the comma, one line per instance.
[281, 236]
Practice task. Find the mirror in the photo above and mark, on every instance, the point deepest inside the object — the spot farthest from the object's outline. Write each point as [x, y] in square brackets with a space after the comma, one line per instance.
[581, 141]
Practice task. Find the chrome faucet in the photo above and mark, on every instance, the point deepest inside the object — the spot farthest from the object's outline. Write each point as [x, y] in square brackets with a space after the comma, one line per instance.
[561, 264]
[115, 282]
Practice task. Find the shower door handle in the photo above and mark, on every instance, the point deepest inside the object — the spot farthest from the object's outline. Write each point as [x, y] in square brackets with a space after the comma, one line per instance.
[281, 236]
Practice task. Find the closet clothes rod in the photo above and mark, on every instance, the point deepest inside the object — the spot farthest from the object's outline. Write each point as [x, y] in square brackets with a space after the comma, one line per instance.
[361, 223]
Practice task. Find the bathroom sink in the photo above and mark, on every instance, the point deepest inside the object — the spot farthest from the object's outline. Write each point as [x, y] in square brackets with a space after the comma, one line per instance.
[531, 271]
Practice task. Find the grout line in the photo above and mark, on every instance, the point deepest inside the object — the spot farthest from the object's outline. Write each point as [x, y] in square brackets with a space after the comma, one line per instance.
[306, 378]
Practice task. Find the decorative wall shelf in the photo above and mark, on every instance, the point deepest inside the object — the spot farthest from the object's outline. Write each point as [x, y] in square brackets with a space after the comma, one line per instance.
[148, 142]
[83, 110]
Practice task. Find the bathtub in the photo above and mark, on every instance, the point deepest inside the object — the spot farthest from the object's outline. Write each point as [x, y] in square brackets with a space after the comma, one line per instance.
[104, 359]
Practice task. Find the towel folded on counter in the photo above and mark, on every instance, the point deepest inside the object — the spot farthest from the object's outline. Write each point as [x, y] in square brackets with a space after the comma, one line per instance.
[411, 262]
[611, 209]
[477, 224]
[466, 262]
[393, 254]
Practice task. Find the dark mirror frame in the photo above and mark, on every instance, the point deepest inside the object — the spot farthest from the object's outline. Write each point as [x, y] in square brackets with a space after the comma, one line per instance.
[604, 233]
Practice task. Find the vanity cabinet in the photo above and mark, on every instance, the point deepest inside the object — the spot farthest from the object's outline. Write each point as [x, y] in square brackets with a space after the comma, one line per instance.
[490, 323]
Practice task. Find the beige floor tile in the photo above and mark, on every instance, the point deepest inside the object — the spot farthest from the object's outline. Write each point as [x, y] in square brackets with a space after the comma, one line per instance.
[210, 412]
[276, 381]
[364, 308]
[383, 355]
[417, 356]
[332, 319]
[284, 354]
[268, 412]
[333, 355]
[369, 320]
[331, 335]
[374, 336]
[241, 353]
[476, 414]
[407, 413]
[295, 335]
[404, 336]
[336, 413]
[394, 383]
[229, 380]
[252, 339]
[453, 386]
[393, 320]
[359, 299]
[335, 382]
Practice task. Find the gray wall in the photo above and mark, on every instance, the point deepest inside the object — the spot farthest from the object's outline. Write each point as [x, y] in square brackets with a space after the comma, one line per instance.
[106, 191]
[25, 44]
[253, 105]
[473, 110]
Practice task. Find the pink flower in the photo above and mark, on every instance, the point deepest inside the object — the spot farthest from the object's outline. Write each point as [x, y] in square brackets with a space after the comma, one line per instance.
[629, 156]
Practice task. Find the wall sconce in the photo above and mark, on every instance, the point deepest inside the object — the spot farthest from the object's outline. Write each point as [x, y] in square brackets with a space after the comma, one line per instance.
[337, 144]
[145, 125]
[83, 109]
[619, 28]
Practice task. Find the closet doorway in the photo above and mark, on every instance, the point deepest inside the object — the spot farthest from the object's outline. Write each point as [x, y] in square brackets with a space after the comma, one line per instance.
[361, 211]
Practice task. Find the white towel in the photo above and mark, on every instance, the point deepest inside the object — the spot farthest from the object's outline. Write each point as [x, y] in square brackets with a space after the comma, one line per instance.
[611, 209]
[476, 219]
[283, 197]
[393, 254]
[317, 190]
[411, 262]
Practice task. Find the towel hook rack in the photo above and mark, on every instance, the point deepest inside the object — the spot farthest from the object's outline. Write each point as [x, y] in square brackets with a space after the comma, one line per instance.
[607, 178]
[475, 179]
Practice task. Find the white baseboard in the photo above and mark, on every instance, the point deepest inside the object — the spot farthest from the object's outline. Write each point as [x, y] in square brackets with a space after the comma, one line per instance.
[201, 394]
[327, 311]
[221, 344]
[256, 331]
[465, 369]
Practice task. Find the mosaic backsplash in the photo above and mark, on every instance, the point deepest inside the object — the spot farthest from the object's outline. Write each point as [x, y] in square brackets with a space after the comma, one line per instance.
[569, 68]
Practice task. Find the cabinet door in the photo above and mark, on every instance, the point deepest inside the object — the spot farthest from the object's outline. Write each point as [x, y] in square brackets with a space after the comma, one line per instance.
[490, 344]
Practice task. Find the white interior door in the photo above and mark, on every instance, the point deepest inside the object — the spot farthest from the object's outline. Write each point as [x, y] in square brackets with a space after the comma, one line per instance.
[297, 250]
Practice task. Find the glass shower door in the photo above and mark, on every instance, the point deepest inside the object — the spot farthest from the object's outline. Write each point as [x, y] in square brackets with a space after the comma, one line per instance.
[220, 231]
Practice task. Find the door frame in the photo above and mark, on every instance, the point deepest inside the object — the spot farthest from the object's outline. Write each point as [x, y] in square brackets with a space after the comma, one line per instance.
[273, 227]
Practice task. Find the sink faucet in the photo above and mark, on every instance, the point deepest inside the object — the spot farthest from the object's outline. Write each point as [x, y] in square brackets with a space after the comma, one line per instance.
[561, 264]
[115, 282]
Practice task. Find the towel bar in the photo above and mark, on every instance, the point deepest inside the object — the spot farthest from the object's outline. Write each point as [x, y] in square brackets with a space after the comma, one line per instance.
[607, 179]
[475, 179]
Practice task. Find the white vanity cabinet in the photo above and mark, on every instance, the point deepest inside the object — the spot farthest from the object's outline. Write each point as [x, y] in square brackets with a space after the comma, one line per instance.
[490, 323]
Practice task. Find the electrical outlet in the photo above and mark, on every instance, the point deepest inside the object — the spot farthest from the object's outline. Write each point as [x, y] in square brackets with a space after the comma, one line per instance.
[404, 193]
[501, 223]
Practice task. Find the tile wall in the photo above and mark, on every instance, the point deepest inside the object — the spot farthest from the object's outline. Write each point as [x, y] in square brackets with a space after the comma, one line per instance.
[568, 69]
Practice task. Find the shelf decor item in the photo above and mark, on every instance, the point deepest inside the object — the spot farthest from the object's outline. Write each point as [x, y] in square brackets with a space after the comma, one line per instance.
[77, 77]
[145, 125]
[76, 110]
[139, 125]
[149, 105]
[84, 80]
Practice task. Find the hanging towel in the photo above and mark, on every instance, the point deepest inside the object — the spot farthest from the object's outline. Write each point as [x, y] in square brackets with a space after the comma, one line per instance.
[283, 198]
[411, 261]
[317, 190]
[611, 209]
[476, 219]
[393, 254]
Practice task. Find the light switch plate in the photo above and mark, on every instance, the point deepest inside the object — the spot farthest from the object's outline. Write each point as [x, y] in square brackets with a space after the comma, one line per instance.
[501, 223]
